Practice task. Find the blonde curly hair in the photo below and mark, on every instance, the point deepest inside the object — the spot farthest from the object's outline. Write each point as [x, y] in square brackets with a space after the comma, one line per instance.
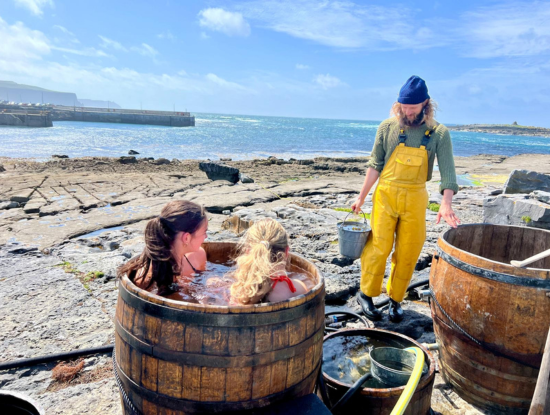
[429, 112]
[262, 252]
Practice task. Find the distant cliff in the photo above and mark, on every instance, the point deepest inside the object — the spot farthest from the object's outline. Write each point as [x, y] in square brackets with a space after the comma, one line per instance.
[14, 92]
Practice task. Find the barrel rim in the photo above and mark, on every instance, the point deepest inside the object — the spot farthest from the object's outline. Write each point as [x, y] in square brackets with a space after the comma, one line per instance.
[317, 289]
[529, 272]
[387, 392]
[340, 226]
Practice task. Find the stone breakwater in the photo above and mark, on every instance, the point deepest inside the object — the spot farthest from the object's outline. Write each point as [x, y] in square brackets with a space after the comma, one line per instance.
[23, 119]
[57, 288]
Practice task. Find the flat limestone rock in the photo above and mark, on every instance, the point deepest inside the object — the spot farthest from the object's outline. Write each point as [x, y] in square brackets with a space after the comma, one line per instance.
[219, 171]
[526, 181]
[48, 231]
[518, 210]
[127, 160]
[541, 196]
[8, 205]
[33, 324]
[33, 206]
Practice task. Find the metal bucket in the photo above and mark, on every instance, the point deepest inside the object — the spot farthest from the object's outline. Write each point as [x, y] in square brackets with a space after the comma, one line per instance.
[352, 237]
[393, 366]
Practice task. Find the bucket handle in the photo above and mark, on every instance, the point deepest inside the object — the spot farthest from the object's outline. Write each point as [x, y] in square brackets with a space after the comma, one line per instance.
[361, 211]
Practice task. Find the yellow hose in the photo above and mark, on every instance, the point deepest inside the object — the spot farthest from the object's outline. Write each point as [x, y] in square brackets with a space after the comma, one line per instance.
[411, 385]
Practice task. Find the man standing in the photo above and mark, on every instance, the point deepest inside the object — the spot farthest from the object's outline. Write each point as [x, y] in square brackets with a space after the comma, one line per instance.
[402, 159]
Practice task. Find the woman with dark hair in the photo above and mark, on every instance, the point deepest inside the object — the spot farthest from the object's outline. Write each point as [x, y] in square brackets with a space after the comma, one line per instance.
[172, 248]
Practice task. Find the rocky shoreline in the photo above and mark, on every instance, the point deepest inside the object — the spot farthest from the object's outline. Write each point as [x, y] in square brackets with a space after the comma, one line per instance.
[71, 222]
[502, 129]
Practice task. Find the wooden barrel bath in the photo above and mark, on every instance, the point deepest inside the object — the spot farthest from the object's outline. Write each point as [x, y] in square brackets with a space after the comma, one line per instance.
[174, 357]
[371, 401]
[491, 319]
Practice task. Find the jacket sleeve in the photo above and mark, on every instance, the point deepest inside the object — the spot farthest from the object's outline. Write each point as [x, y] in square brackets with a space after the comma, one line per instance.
[446, 163]
[378, 154]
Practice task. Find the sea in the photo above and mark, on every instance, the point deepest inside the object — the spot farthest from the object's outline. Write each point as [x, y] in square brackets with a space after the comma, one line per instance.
[239, 137]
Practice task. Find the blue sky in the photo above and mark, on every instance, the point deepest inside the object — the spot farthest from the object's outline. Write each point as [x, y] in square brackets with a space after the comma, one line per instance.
[484, 61]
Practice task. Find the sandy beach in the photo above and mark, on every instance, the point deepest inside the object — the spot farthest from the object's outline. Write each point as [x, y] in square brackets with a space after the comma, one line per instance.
[58, 289]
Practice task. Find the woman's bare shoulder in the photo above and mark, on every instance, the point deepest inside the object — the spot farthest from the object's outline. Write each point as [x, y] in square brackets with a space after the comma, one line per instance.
[282, 291]
[198, 259]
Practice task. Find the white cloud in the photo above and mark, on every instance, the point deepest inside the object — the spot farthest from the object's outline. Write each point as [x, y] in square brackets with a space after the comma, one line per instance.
[327, 81]
[83, 52]
[507, 30]
[34, 6]
[21, 43]
[65, 36]
[63, 29]
[226, 84]
[229, 23]
[301, 67]
[107, 43]
[24, 57]
[146, 50]
[166, 35]
[344, 24]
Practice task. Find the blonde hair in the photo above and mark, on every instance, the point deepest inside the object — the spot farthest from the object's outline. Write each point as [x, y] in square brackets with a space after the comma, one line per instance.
[262, 252]
[429, 112]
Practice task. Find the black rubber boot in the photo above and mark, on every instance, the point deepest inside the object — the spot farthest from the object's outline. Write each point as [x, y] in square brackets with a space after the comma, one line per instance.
[368, 306]
[395, 311]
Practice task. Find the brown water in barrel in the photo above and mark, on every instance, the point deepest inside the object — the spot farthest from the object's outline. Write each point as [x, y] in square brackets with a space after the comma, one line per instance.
[212, 286]
[490, 318]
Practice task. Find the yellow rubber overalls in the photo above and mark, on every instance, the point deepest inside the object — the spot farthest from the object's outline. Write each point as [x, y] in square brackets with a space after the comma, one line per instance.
[398, 208]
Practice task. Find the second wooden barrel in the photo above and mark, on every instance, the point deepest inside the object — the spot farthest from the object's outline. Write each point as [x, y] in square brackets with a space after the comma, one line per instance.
[375, 401]
[180, 358]
[490, 318]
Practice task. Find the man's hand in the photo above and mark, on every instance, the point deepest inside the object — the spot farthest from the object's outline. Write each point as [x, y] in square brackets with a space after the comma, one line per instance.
[356, 207]
[446, 212]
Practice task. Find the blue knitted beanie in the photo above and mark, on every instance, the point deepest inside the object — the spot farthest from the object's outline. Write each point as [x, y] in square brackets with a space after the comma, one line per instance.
[414, 91]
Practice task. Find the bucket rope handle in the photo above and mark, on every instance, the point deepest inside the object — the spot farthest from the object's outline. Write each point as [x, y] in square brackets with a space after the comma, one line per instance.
[360, 211]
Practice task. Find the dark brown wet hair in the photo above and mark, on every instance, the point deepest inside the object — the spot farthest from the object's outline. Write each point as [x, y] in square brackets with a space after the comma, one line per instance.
[160, 233]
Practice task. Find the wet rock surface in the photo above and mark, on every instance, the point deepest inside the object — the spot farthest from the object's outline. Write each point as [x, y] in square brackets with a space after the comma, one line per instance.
[77, 220]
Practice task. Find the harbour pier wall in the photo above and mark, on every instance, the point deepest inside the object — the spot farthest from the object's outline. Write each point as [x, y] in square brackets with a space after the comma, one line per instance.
[124, 116]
